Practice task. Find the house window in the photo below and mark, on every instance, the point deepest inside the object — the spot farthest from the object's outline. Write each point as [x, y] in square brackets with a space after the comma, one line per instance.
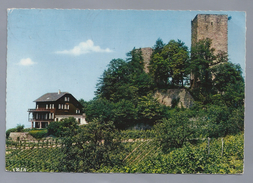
[46, 116]
[37, 107]
[66, 106]
[77, 111]
[52, 115]
[52, 106]
[66, 99]
[59, 106]
[79, 120]
[46, 106]
[62, 106]
[49, 116]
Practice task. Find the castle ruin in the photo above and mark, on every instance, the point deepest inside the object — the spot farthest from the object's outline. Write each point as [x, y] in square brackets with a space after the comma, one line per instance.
[213, 26]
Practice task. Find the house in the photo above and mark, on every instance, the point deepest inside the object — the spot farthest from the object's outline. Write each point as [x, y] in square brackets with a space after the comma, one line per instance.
[52, 107]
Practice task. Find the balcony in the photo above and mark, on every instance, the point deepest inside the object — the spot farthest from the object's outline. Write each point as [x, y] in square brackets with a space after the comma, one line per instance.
[39, 110]
[39, 120]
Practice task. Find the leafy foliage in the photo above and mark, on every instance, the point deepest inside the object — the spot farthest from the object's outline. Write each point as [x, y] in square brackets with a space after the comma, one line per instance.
[39, 133]
[169, 64]
[89, 147]
[19, 128]
[63, 127]
[173, 132]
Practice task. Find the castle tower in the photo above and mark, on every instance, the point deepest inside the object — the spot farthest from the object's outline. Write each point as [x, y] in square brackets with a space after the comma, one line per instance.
[211, 26]
[146, 54]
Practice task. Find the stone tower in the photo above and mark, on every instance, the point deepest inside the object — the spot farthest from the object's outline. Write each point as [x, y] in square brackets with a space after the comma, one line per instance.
[211, 26]
[146, 54]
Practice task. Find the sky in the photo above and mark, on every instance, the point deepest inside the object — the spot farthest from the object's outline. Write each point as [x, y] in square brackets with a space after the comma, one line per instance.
[68, 50]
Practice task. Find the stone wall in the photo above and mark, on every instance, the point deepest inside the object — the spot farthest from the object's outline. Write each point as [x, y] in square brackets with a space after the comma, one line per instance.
[184, 97]
[21, 136]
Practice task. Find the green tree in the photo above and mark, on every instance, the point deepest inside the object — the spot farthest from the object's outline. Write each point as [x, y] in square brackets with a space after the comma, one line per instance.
[158, 46]
[173, 132]
[202, 58]
[90, 147]
[62, 128]
[149, 110]
[228, 84]
[169, 64]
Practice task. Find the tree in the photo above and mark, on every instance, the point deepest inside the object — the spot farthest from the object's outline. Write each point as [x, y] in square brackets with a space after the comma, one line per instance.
[116, 74]
[158, 46]
[99, 108]
[202, 57]
[228, 84]
[149, 110]
[93, 146]
[169, 63]
[172, 132]
[62, 128]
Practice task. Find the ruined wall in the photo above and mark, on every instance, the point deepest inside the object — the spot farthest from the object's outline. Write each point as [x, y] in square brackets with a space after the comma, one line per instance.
[185, 98]
[21, 136]
[146, 54]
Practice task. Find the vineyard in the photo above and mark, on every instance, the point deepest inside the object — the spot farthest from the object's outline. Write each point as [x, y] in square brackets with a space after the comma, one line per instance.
[202, 156]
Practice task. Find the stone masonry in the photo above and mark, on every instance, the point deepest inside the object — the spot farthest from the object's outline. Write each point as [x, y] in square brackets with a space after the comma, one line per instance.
[146, 54]
[165, 98]
[211, 26]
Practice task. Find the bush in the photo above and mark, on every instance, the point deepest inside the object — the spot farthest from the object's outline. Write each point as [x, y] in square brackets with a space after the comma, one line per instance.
[19, 128]
[38, 134]
[9, 131]
[136, 134]
[60, 128]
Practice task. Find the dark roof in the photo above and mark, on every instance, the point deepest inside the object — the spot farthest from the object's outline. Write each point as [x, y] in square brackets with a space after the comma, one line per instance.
[50, 97]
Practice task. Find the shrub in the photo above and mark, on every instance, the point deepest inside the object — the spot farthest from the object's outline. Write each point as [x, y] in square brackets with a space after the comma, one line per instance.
[38, 134]
[9, 131]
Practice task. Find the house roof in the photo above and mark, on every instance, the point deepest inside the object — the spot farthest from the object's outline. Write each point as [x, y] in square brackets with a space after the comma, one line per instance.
[50, 97]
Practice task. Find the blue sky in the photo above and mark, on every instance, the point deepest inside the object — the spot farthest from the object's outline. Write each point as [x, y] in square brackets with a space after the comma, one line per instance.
[51, 49]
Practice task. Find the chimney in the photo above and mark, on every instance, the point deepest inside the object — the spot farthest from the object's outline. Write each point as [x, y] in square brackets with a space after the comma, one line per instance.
[59, 92]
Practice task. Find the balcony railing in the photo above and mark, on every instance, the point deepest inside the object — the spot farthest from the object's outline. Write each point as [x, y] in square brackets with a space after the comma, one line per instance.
[38, 110]
[33, 119]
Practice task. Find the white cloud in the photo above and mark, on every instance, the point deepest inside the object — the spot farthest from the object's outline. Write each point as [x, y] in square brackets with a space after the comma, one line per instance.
[84, 48]
[26, 62]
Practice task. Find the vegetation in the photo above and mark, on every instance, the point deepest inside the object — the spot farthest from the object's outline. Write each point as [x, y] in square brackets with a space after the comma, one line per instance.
[19, 128]
[130, 131]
